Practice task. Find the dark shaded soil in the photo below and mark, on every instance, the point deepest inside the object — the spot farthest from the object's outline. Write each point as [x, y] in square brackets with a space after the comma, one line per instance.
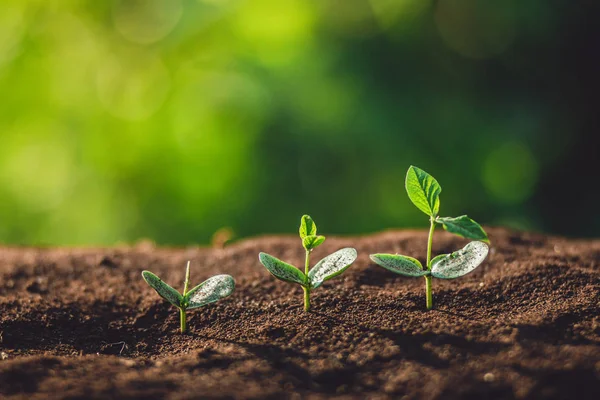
[81, 323]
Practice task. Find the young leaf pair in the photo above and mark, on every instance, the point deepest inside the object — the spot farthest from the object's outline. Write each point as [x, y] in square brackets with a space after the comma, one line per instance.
[209, 291]
[424, 191]
[329, 267]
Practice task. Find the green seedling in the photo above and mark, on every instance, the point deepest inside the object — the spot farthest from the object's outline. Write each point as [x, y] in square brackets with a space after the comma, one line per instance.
[209, 291]
[424, 191]
[329, 267]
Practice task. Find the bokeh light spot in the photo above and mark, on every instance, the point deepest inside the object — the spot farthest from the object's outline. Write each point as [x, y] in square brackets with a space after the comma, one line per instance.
[133, 88]
[146, 21]
[93, 203]
[37, 166]
[217, 103]
[276, 31]
[510, 173]
[11, 31]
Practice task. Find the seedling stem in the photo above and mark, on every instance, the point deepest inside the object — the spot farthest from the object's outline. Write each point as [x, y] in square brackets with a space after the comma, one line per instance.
[187, 279]
[306, 289]
[182, 320]
[428, 292]
[182, 314]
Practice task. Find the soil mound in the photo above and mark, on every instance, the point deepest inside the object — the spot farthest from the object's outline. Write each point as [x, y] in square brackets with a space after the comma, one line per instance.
[81, 323]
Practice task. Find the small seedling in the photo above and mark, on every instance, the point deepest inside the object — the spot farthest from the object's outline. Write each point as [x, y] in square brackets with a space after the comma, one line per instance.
[329, 267]
[209, 291]
[424, 191]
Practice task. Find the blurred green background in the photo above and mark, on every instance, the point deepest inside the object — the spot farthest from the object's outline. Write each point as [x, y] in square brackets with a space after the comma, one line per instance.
[172, 119]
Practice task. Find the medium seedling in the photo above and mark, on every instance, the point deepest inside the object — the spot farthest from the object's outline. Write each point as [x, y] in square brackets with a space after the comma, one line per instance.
[424, 191]
[209, 291]
[329, 267]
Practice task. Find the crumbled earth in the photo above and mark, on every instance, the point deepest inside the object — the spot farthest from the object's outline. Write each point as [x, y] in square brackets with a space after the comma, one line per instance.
[81, 323]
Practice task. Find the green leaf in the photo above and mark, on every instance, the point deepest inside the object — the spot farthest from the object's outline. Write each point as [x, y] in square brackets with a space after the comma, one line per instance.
[331, 266]
[465, 227]
[163, 289]
[459, 263]
[282, 270]
[312, 241]
[307, 227]
[209, 291]
[423, 190]
[398, 264]
[437, 258]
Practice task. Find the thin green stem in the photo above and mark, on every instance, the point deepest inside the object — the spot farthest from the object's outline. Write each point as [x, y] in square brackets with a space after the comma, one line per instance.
[306, 289]
[429, 298]
[182, 320]
[187, 279]
[182, 315]
[430, 242]
[428, 293]
[306, 298]
[307, 262]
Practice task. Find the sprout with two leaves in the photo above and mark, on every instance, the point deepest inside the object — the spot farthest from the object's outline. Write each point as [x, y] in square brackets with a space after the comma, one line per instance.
[329, 267]
[424, 191]
[209, 291]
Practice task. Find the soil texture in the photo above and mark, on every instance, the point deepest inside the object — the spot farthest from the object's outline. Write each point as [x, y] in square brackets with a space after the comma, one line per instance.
[81, 323]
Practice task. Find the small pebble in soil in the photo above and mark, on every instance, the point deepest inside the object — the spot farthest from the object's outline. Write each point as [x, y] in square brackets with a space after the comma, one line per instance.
[488, 377]
[3, 356]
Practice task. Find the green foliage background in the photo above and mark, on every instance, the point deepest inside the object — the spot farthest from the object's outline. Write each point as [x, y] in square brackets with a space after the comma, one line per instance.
[171, 119]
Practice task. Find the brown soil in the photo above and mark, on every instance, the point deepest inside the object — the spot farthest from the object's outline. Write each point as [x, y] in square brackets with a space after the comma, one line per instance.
[81, 323]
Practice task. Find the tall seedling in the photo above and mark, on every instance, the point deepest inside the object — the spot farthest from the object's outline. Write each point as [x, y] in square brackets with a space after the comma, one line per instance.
[424, 191]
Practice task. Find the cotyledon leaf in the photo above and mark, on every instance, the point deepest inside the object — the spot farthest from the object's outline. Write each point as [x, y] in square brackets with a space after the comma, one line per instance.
[162, 288]
[331, 266]
[209, 291]
[465, 227]
[423, 190]
[282, 270]
[399, 264]
[459, 263]
[437, 258]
